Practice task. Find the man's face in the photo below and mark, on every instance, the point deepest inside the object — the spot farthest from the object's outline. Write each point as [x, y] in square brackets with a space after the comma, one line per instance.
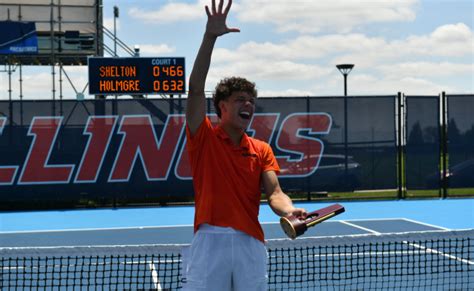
[238, 109]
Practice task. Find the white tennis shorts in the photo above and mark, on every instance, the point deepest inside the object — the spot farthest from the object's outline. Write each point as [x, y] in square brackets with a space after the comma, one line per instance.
[221, 258]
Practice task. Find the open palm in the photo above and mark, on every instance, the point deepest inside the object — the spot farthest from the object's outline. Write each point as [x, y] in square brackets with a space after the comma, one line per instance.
[216, 19]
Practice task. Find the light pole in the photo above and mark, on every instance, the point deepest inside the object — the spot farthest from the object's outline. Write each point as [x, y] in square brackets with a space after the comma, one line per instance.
[116, 15]
[345, 69]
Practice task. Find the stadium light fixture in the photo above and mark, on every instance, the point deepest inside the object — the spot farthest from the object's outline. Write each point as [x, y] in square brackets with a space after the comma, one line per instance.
[116, 15]
[345, 69]
[136, 48]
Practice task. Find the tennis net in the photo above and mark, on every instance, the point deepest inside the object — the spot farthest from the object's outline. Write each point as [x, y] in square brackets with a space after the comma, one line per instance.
[424, 260]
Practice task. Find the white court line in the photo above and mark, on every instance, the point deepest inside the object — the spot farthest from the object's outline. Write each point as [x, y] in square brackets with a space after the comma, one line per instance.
[429, 250]
[365, 254]
[190, 225]
[390, 253]
[274, 222]
[154, 277]
[375, 219]
[361, 227]
[439, 253]
[337, 221]
[425, 224]
[94, 229]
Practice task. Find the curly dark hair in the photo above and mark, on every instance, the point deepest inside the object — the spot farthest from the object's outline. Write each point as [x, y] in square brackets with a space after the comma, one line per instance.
[227, 86]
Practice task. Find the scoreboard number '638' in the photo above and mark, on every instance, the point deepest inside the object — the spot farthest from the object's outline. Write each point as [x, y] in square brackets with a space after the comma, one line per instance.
[136, 76]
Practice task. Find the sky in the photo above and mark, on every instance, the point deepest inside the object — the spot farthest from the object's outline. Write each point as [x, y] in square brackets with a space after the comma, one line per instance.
[291, 48]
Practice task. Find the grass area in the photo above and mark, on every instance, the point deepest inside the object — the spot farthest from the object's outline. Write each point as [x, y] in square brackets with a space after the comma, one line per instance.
[383, 194]
[377, 195]
[423, 193]
[461, 192]
[84, 203]
[388, 194]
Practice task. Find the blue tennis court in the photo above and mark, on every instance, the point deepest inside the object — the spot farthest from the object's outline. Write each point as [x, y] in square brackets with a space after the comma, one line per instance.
[429, 241]
[441, 214]
[183, 234]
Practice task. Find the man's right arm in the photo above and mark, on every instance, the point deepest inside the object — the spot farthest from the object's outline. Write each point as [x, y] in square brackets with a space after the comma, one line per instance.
[216, 26]
[196, 104]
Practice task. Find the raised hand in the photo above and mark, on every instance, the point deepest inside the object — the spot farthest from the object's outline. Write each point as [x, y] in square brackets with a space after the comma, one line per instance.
[216, 20]
[216, 26]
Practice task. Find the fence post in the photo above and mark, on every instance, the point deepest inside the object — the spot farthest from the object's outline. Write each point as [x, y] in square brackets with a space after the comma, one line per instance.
[400, 147]
[444, 145]
[308, 186]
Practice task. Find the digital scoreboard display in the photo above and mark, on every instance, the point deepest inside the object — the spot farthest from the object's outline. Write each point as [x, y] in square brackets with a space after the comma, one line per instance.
[136, 76]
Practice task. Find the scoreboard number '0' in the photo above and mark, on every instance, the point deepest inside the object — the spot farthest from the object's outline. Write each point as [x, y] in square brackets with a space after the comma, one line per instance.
[136, 76]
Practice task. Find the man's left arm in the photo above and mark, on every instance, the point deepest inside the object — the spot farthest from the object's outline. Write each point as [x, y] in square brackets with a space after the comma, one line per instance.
[280, 203]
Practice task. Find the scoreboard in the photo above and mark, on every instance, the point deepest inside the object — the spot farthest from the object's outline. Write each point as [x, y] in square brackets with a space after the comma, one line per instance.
[136, 76]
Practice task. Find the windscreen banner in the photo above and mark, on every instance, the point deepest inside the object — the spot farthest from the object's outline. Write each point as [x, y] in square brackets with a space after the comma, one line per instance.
[461, 141]
[18, 38]
[422, 162]
[136, 148]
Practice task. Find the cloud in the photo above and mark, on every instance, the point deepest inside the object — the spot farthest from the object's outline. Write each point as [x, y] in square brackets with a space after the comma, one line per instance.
[305, 64]
[35, 86]
[108, 22]
[425, 69]
[287, 92]
[366, 50]
[37, 83]
[303, 47]
[408, 85]
[156, 50]
[415, 48]
[309, 16]
[459, 32]
[170, 13]
[403, 64]
[414, 63]
[276, 70]
[302, 16]
[448, 40]
[360, 84]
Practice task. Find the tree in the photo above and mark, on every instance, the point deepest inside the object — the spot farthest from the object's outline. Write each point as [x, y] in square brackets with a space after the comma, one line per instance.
[416, 135]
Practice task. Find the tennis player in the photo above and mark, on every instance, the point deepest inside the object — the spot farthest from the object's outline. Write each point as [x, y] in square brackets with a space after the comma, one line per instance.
[229, 168]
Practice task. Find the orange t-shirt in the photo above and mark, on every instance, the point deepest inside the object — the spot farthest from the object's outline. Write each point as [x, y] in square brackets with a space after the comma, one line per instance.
[227, 178]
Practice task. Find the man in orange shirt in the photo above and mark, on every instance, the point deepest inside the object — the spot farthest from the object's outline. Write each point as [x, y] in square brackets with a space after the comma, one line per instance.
[229, 168]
